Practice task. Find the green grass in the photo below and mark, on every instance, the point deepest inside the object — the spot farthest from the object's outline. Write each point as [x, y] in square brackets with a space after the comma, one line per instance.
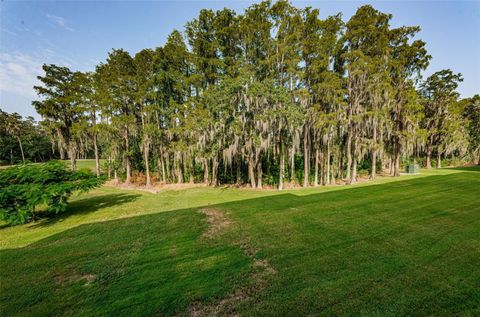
[396, 246]
[81, 164]
[88, 164]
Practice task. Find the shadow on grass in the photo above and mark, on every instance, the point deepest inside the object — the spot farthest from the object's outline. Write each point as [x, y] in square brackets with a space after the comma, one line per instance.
[149, 265]
[88, 205]
[159, 258]
[92, 204]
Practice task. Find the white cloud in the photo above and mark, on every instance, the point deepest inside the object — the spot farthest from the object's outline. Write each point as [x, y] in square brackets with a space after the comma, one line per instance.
[59, 21]
[18, 73]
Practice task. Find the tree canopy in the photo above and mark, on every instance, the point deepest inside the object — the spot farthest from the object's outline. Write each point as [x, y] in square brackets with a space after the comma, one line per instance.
[29, 190]
[271, 95]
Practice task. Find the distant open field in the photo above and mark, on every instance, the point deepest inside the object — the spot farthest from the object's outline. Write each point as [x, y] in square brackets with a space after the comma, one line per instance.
[81, 163]
[396, 246]
[90, 164]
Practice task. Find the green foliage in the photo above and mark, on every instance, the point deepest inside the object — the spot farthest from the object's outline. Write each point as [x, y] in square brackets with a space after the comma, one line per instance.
[251, 92]
[29, 189]
[472, 114]
[23, 139]
[443, 114]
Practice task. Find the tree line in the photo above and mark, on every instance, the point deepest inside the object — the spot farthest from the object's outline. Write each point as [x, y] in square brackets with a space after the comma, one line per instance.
[275, 94]
[23, 140]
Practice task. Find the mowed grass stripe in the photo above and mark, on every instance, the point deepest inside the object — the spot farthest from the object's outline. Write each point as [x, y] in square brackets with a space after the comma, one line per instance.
[375, 242]
[405, 247]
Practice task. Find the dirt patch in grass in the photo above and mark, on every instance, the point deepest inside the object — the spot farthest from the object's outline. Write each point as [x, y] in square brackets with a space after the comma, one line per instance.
[217, 222]
[132, 186]
[155, 187]
[260, 274]
[65, 279]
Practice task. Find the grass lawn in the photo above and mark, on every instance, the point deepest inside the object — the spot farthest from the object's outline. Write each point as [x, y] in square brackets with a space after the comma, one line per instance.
[81, 164]
[396, 246]
[88, 164]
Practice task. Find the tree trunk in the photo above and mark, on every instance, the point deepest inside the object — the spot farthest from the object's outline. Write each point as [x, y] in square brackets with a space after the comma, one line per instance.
[161, 164]
[191, 171]
[329, 175]
[109, 169]
[429, 155]
[60, 148]
[259, 174]
[382, 161]
[323, 168]
[306, 157]
[177, 162]
[206, 172]
[373, 171]
[349, 155]
[315, 180]
[251, 172]
[147, 165]
[21, 149]
[292, 166]
[97, 159]
[439, 159]
[268, 166]
[128, 170]
[239, 170]
[340, 167]
[128, 166]
[73, 156]
[215, 171]
[282, 168]
[353, 180]
[167, 166]
[332, 172]
[396, 170]
[115, 173]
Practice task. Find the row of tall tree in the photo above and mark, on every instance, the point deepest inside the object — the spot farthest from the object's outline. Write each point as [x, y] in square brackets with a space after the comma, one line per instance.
[23, 139]
[271, 95]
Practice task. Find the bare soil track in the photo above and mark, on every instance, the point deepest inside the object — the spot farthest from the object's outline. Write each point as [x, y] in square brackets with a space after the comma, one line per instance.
[260, 274]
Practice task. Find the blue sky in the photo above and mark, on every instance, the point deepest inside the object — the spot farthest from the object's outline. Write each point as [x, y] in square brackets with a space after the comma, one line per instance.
[79, 34]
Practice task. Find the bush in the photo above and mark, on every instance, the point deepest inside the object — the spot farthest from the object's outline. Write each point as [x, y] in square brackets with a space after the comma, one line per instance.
[29, 189]
[138, 178]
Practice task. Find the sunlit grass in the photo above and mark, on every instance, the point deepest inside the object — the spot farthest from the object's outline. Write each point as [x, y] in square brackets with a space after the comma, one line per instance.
[396, 246]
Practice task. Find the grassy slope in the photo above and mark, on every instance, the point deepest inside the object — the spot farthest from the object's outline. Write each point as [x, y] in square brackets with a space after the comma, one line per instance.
[409, 246]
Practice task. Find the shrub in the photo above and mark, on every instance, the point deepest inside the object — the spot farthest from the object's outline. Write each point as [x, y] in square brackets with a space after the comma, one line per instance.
[138, 178]
[29, 189]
